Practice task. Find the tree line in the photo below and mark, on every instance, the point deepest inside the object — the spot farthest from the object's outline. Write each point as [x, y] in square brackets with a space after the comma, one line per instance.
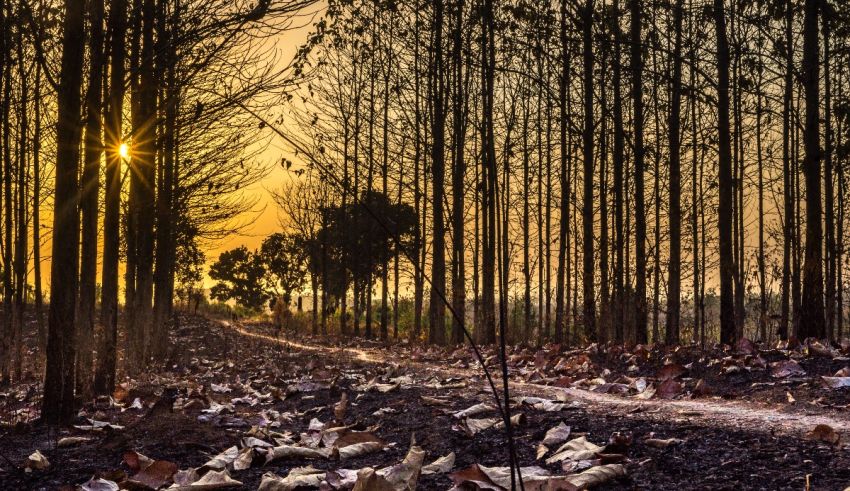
[587, 170]
[123, 120]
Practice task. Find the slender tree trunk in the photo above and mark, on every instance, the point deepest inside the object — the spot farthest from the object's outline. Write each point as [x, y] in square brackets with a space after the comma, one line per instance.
[828, 185]
[36, 215]
[761, 253]
[89, 190]
[812, 311]
[560, 314]
[458, 178]
[674, 265]
[788, 215]
[58, 402]
[104, 380]
[619, 183]
[640, 209]
[165, 190]
[727, 308]
[436, 309]
[589, 295]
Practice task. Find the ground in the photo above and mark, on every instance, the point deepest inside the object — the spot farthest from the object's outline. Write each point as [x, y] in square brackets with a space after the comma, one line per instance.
[738, 420]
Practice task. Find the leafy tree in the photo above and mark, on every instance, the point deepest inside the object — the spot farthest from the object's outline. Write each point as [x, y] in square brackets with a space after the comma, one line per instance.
[285, 262]
[241, 276]
[363, 237]
[189, 264]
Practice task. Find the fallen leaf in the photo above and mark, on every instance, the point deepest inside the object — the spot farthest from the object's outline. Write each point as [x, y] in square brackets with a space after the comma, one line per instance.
[244, 459]
[404, 475]
[576, 449]
[155, 475]
[824, 433]
[369, 480]
[836, 382]
[37, 461]
[668, 389]
[70, 441]
[440, 466]
[474, 410]
[223, 459]
[496, 478]
[473, 426]
[594, 476]
[210, 481]
[307, 477]
[99, 484]
[671, 371]
[786, 368]
[557, 435]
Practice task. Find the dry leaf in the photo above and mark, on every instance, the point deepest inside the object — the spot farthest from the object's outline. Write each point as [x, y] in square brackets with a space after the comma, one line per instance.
[440, 466]
[223, 459]
[836, 382]
[557, 435]
[474, 410]
[37, 461]
[824, 433]
[70, 441]
[307, 477]
[155, 475]
[99, 484]
[668, 389]
[576, 449]
[786, 368]
[595, 476]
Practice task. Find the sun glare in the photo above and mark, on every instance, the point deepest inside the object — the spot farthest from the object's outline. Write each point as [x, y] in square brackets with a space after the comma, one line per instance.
[124, 151]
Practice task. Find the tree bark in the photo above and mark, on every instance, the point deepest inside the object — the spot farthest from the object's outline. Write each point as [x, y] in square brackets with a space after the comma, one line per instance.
[58, 402]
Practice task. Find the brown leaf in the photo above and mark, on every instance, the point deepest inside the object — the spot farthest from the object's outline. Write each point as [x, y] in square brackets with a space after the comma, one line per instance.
[836, 382]
[745, 346]
[671, 371]
[668, 389]
[824, 433]
[155, 475]
[702, 389]
[786, 368]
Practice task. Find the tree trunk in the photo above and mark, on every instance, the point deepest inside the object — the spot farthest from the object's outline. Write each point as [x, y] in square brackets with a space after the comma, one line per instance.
[589, 311]
[674, 265]
[104, 380]
[58, 402]
[727, 308]
[89, 190]
[812, 312]
[640, 209]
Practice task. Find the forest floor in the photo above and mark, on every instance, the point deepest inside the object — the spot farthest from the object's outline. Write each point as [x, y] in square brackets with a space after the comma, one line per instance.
[239, 403]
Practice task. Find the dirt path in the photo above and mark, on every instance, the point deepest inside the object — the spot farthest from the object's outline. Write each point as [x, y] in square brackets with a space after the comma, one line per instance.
[706, 412]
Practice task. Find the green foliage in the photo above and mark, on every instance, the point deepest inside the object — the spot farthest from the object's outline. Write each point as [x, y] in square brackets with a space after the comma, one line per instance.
[285, 261]
[241, 277]
[361, 238]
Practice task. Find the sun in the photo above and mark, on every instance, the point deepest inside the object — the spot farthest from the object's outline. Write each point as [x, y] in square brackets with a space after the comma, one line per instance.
[124, 151]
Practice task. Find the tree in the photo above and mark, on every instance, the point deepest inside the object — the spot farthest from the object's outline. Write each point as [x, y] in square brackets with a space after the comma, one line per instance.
[58, 403]
[284, 264]
[240, 276]
[812, 322]
[727, 308]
